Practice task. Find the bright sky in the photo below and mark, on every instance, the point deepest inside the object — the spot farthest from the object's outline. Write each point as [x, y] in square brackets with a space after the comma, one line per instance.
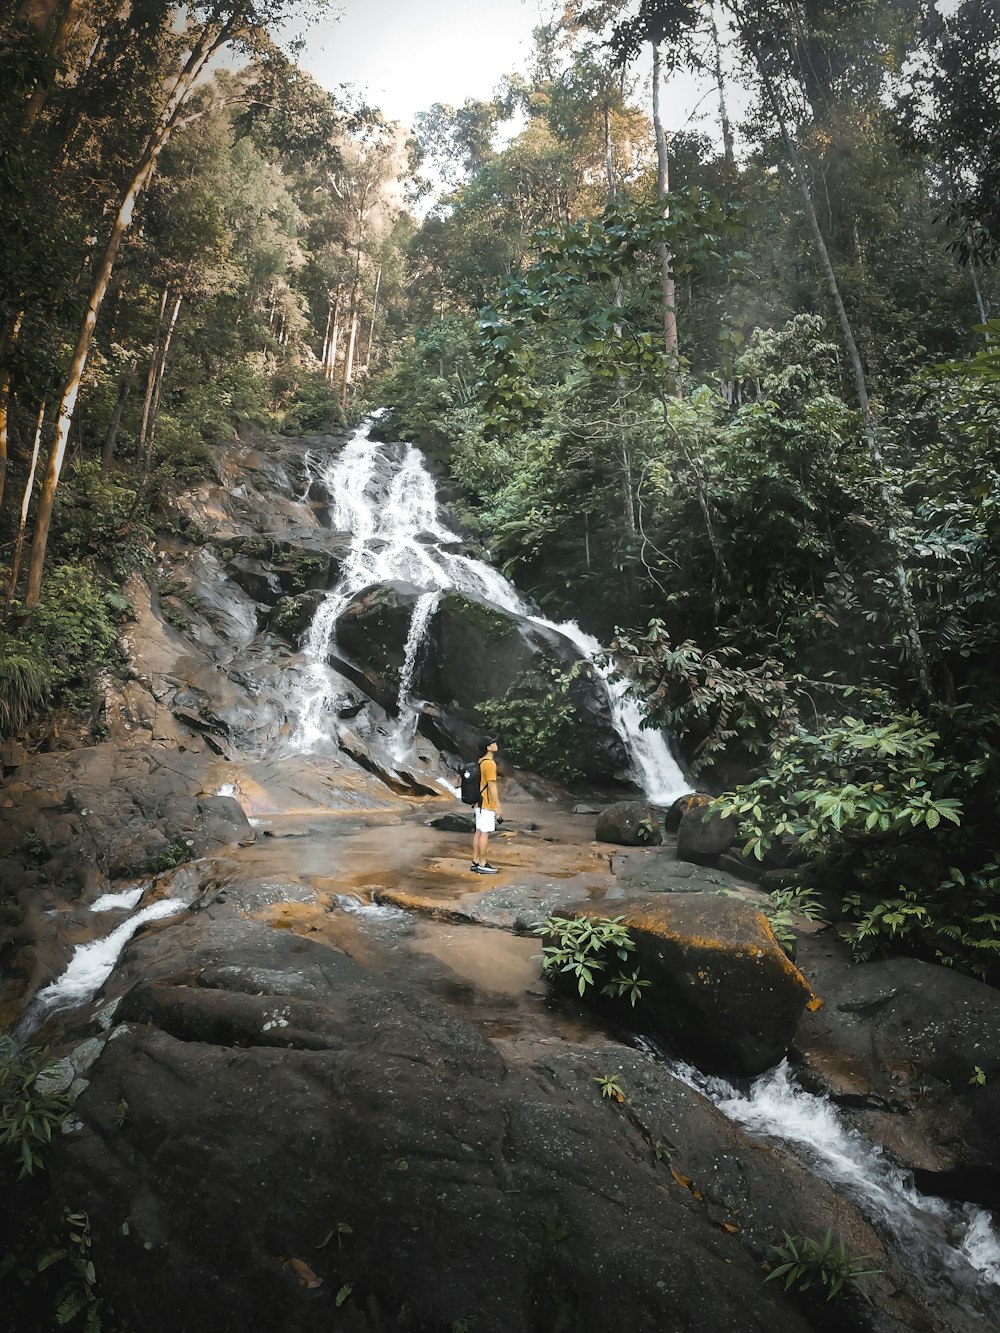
[408, 54]
[405, 55]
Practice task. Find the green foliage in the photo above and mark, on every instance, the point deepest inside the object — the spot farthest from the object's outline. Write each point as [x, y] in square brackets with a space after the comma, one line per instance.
[59, 1270]
[826, 1266]
[582, 948]
[175, 853]
[610, 1087]
[312, 405]
[977, 1079]
[74, 629]
[101, 521]
[852, 785]
[28, 1117]
[25, 683]
[538, 719]
[782, 908]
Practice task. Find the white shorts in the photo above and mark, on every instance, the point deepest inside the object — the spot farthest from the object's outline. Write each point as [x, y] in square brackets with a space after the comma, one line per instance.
[486, 820]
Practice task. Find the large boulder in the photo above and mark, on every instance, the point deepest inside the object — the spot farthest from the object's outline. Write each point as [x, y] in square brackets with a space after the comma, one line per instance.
[721, 989]
[630, 824]
[478, 651]
[389, 1166]
[371, 638]
[913, 1051]
[704, 834]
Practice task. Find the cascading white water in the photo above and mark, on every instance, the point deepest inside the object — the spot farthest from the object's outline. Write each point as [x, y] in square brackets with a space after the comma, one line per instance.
[405, 707]
[92, 963]
[957, 1245]
[397, 535]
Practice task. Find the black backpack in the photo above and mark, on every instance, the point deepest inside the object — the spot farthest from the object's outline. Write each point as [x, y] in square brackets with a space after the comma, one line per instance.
[471, 783]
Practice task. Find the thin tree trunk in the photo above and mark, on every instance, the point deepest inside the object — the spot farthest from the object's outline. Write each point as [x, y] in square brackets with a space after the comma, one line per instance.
[910, 626]
[154, 411]
[326, 335]
[662, 190]
[183, 85]
[727, 129]
[8, 340]
[371, 327]
[111, 438]
[15, 563]
[349, 360]
[154, 360]
[984, 314]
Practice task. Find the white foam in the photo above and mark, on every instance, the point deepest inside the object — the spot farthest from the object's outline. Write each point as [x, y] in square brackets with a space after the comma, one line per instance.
[92, 963]
[117, 902]
[954, 1238]
[372, 911]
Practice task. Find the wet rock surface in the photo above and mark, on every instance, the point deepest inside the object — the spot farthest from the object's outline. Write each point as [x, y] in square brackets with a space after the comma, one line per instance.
[272, 1079]
[630, 824]
[912, 1050]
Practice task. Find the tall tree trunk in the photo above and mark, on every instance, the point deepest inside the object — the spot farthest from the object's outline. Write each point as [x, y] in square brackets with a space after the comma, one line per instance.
[154, 361]
[727, 129]
[349, 360]
[66, 25]
[662, 190]
[15, 563]
[111, 437]
[910, 625]
[331, 366]
[147, 461]
[326, 335]
[984, 314]
[371, 326]
[8, 340]
[201, 52]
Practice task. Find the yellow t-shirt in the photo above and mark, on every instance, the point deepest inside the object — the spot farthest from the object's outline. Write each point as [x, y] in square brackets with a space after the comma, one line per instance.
[487, 775]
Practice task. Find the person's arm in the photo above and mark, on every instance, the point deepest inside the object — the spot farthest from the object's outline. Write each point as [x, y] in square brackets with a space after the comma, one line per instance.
[495, 796]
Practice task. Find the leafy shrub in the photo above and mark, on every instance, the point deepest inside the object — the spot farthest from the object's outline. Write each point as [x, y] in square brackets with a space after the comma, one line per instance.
[826, 1265]
[25, 683]
[28, 1116]
[75, 627]
[538, 720]
[583, 948]
[174, 854]
[100, 520]
[313, 406]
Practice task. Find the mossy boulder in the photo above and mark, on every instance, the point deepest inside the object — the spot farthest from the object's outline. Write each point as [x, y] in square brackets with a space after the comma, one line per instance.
[292, 616]
[371, 638]
[630, 824]
[722, 991]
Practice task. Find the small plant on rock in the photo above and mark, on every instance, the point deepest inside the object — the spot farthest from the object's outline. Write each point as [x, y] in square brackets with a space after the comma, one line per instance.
[785, 904]
[610, 1087]
[28, 1115]
[826, 1265]
[584, 948]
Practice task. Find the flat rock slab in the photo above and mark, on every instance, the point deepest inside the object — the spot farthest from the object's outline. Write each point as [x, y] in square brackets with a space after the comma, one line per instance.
[388, 1163]
[721, 988]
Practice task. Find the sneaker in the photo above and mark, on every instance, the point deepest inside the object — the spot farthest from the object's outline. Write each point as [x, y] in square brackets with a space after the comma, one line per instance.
[487, 869]
[474, 867]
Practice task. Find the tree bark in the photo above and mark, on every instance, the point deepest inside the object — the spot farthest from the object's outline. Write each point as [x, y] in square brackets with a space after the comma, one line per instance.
[154, 359]
[147, 461]
[662, 189]
[111, 437]
[65, 27]
[15, 563]
[203, 48]
[8, 339]
[910, 625]
[727, 129]
[371, 327]
[349, 360]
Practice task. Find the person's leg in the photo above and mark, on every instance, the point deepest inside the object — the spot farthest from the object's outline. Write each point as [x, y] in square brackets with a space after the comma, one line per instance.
[478, 848]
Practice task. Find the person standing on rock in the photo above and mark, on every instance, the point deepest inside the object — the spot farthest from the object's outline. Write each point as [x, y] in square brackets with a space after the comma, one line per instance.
[487, 809]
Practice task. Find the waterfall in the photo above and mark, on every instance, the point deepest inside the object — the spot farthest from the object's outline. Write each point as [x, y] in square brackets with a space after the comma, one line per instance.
[406, 709]
[955, 1245]
[397, 534]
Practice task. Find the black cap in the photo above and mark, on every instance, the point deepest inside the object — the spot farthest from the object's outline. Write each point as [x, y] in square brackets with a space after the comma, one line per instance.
[490, 740]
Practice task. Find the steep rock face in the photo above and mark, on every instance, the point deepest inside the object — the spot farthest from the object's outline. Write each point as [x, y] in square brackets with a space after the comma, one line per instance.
[290, 1119]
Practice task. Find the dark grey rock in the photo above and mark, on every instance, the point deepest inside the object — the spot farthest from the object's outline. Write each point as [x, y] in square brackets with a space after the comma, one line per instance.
[630, 824]
[704, 835]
